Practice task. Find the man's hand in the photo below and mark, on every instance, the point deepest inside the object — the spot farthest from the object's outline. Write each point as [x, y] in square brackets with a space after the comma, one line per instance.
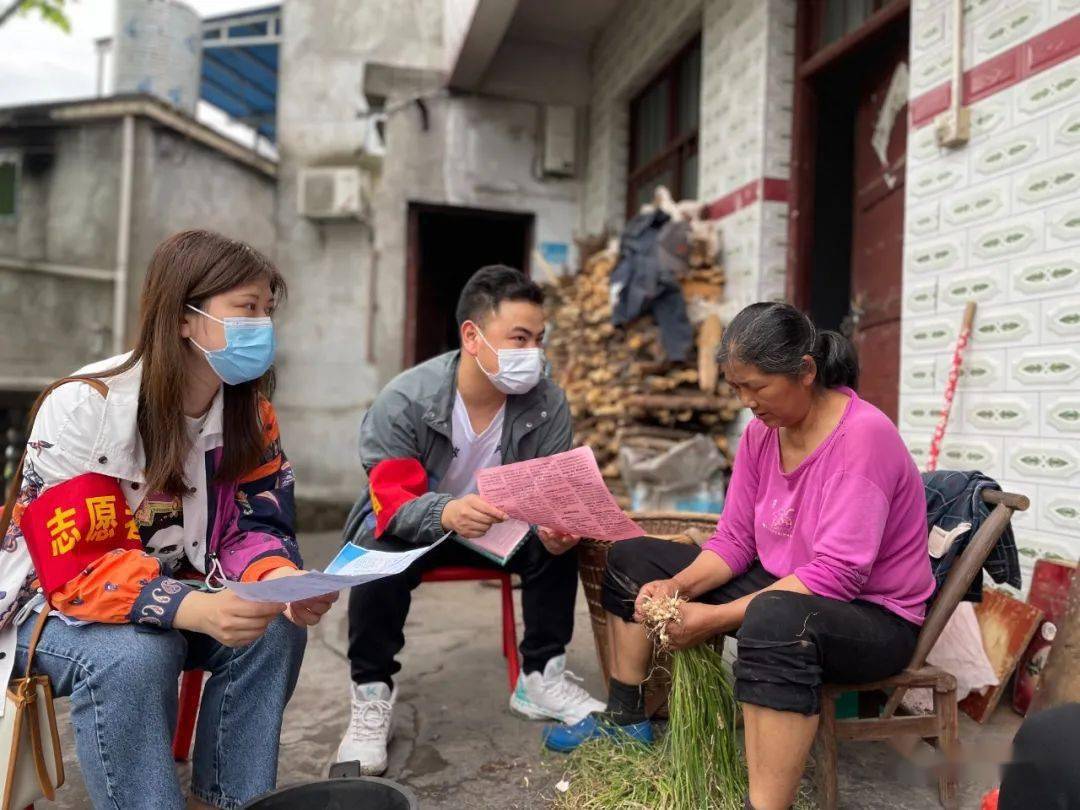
[556, 542]
[226, 617]
[305, 612]
[471, 516]
[699, 623]
[657, 589]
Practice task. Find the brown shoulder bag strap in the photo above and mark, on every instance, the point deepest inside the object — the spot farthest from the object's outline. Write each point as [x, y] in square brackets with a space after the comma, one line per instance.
[16, 485]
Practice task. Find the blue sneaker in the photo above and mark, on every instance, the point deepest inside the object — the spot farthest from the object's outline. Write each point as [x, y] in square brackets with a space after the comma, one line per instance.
[565, 738]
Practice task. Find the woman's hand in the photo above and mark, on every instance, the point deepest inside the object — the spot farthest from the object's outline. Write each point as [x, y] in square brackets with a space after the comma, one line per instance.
[226, 617]
[699, 623]
[657, 589]
[471, 516]
[557, 542]
[304, 612]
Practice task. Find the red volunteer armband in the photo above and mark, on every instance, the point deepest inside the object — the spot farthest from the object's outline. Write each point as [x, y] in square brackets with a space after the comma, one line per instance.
[394, 482]
[71, 525]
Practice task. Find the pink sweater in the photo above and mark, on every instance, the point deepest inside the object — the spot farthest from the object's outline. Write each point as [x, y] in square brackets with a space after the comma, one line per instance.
[849, 522]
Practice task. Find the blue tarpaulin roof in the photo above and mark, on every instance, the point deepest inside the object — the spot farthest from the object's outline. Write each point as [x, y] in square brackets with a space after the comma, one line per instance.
[240, 66]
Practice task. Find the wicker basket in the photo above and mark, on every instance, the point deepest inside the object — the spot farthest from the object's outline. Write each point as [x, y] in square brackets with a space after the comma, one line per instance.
[678, 527]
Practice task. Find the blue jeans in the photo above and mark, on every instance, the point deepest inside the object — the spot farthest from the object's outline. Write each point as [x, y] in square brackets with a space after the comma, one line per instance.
[123, 687]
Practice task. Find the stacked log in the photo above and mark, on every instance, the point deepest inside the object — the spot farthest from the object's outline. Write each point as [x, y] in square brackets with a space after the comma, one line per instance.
[620, 386]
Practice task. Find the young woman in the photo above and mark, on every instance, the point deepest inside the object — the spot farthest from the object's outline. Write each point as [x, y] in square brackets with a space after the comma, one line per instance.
[164, 473]
[819, 562]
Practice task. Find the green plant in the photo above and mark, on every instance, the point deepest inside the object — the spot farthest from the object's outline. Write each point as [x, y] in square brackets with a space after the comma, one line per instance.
[51, 11]
[696, 764]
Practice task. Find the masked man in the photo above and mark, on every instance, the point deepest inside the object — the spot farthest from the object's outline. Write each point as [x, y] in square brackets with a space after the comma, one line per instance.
[422, 442]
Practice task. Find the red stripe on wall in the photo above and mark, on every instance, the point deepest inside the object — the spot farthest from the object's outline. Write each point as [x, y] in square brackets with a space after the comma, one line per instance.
[1041, 52]
[769, 189]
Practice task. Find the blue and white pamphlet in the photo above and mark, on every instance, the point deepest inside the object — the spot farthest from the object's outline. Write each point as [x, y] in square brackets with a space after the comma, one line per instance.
[352, 566]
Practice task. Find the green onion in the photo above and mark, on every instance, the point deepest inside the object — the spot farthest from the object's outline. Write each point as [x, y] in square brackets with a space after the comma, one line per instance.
[696, 765]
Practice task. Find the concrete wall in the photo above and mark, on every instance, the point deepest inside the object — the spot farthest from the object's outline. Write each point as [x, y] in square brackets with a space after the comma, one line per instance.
[342, 333]
[52, 326]
[65, 211]
[994, 221]
[324, 379]
[478, 152]
[540, 72]
[457, 15]
[745, 138]
[327, 370]
[180, 183]
[67, 215]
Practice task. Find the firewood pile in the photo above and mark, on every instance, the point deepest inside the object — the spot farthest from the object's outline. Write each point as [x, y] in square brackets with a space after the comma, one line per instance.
[621, 388]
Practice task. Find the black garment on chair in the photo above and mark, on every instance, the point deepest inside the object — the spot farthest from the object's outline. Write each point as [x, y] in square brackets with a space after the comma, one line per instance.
[641, 283]
[954, 497]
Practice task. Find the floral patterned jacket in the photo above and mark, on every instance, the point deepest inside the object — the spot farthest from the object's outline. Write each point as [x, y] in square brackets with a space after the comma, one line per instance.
[240, 530]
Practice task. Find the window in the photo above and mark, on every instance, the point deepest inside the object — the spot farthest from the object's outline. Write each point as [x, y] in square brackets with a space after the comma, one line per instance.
[840, 17]
[664, 131]
[9, 173]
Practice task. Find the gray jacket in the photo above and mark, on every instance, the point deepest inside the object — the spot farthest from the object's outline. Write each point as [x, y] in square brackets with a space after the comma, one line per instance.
[411, 418]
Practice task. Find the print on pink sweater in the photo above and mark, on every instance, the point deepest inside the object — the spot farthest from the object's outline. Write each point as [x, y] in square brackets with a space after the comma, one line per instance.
[783, 520]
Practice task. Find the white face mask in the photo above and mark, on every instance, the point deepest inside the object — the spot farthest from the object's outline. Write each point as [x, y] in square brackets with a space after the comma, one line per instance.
[519, 369]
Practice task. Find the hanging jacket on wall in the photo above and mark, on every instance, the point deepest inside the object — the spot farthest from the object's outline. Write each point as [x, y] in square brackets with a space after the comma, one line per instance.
[640, 284]
[952, 498]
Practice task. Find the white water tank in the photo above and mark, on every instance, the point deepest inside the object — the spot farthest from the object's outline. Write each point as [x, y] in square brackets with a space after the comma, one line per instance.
[158, 48]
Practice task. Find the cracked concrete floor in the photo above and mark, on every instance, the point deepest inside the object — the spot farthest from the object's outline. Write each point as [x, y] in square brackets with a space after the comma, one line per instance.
[457, 745]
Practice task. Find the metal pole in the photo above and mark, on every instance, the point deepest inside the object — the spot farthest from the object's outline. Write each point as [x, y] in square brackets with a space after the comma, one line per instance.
[123, 234]
[958, 57]
[103, 45]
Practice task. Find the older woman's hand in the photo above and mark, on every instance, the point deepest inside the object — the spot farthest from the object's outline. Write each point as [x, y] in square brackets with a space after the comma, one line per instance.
[699, 623]
[656, 590]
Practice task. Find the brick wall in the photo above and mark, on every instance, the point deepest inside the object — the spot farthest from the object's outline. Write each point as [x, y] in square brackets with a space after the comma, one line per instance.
[745, 130]
[998, 222]
[642, 36]
[747, 88]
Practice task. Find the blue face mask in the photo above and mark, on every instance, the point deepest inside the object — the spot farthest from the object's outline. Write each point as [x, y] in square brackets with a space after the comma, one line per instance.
[249, 348]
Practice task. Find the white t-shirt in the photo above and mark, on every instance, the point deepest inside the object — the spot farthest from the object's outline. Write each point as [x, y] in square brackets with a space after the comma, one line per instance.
[472, 452]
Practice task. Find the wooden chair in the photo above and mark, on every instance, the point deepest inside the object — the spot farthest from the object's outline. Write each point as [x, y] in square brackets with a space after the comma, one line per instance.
[942, 727]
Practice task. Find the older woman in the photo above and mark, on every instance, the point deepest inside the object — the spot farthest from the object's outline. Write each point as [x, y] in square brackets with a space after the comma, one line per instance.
[819, 561]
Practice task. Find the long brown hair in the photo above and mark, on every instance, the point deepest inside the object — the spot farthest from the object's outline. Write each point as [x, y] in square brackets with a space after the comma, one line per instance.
[189, 268]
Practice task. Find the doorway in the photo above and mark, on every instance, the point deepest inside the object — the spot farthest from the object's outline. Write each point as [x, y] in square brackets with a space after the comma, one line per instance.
[849, 159]
[446, 245]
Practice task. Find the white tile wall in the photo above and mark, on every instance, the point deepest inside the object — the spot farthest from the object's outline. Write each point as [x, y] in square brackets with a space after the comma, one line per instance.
[998, 221]
[642, 35]
[735, 50]
[747, 90]
[746, 127]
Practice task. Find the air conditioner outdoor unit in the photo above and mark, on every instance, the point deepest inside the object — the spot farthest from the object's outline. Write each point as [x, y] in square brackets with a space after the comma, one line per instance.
[334, 193]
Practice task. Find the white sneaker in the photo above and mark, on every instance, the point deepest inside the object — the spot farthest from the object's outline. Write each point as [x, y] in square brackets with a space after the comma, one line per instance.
[553, 695]
[369, 728]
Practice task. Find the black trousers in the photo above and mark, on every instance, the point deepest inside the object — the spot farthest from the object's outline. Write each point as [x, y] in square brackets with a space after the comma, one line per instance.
[377, 610]
[789, 643]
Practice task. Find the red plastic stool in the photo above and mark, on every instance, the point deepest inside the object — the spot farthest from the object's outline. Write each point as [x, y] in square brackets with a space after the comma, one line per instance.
[187, 712]
[464, 573]
[192, 680]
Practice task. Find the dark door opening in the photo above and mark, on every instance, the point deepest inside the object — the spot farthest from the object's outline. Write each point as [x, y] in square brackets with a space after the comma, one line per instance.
[446, 245]
[850, 150]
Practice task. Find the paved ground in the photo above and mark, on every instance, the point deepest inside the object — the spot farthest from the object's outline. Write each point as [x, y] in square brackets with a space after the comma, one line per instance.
[456, 743]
